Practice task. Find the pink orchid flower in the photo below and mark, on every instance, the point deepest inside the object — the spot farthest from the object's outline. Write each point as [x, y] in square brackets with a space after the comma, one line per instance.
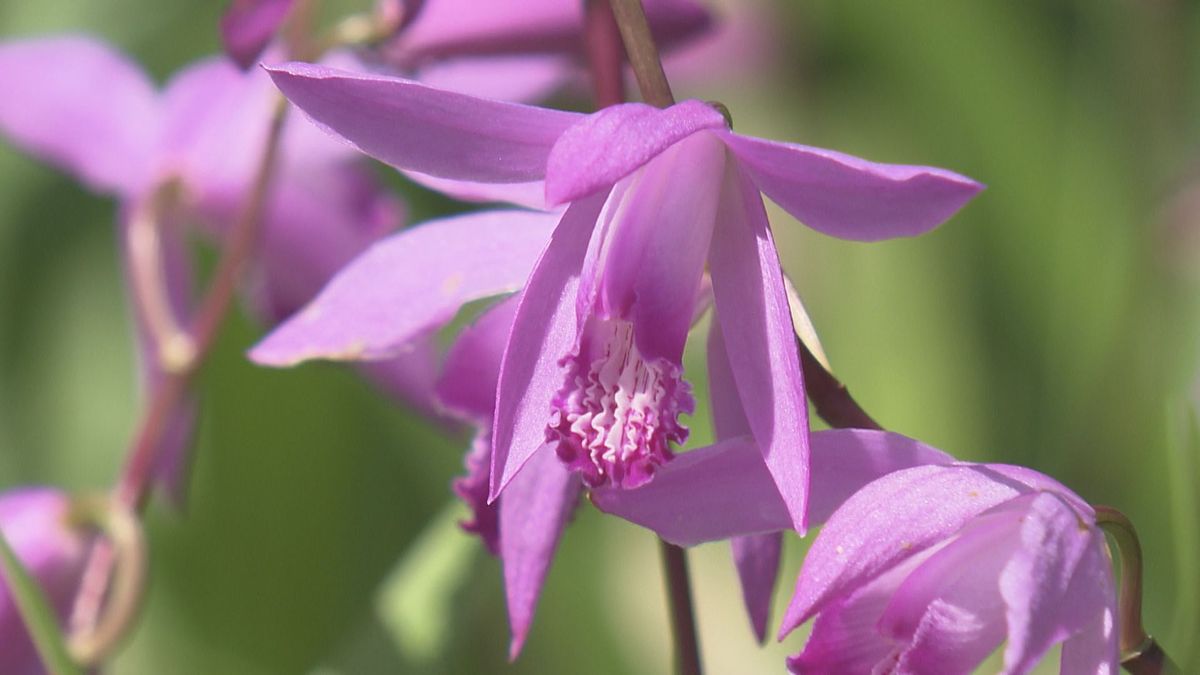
[592, 370]
[926, 569]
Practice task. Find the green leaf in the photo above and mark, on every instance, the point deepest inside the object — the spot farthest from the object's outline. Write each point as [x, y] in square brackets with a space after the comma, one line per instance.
[37, 614]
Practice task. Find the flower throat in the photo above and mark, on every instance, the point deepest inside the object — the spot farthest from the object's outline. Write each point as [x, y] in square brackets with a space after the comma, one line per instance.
[617, 413]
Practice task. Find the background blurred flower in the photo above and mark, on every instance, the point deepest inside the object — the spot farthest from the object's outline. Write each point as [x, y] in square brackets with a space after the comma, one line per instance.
[35, 523]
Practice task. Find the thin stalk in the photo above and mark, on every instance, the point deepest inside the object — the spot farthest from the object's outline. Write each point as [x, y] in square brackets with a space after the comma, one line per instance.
[133, 485]
[642, 52]
[1140, 653]
[679, 600]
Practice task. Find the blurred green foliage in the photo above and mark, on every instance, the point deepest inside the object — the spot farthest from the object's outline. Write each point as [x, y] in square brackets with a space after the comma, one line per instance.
[1052, 324]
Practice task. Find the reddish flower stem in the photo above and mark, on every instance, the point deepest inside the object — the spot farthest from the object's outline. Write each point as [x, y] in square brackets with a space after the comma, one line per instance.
[133, 485]
[679, 599]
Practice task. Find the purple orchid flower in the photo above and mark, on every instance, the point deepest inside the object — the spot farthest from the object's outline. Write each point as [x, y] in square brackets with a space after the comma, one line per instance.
[925, 569]
[515, 51]
[248, 26]
[34, 522]
[593, 369]
[85, 108]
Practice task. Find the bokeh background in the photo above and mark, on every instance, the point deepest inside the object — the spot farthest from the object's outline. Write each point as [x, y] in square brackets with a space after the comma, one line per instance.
[1051, 323]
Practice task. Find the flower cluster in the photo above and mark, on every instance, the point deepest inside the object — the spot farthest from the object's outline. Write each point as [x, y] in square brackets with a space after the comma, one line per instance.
[620, 232]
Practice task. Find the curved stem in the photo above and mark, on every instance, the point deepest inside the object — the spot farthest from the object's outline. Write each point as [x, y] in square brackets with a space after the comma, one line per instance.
[124, 538]
[172, 344]
[133, 485]
[1140, 653]
[679, 599]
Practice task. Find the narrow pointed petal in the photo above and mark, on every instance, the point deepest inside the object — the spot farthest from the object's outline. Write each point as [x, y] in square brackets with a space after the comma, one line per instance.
[81, 106]
[536, 507]
[605, 147]
[409, 283]
[412, 126]
[729, 419]
[1054, 585]
[887, 521]
[248, 25]
[757, 560]
[471, 372]
[851, 198]
[725, 490]
[448, 28]
[544, 331]
[531, 195]
[757, 325]
[656, 254]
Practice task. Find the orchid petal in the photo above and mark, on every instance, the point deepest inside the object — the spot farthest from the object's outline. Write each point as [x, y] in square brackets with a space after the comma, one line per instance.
[409, 283]
[844, 639]
[535, 509]
[531, 195]
[729, 418]
[949, 609]
[247, 26]
[656, 253]
[725, 490]
[471, 372]
[1093, 651]
[81, 106]
[413, 126]
[851, 198]
[756, 556]
[757, 560]
[757, 324]
[602, 148]
[1054, 584]
[887, 521]
[544, 331]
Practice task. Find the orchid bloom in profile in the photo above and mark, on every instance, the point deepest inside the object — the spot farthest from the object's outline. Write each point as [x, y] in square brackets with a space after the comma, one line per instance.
[926, 569]
[35, 523]
[187, 156]
[593, 367]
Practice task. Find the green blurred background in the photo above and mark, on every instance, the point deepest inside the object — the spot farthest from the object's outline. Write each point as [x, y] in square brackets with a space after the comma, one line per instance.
[1052, 323]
